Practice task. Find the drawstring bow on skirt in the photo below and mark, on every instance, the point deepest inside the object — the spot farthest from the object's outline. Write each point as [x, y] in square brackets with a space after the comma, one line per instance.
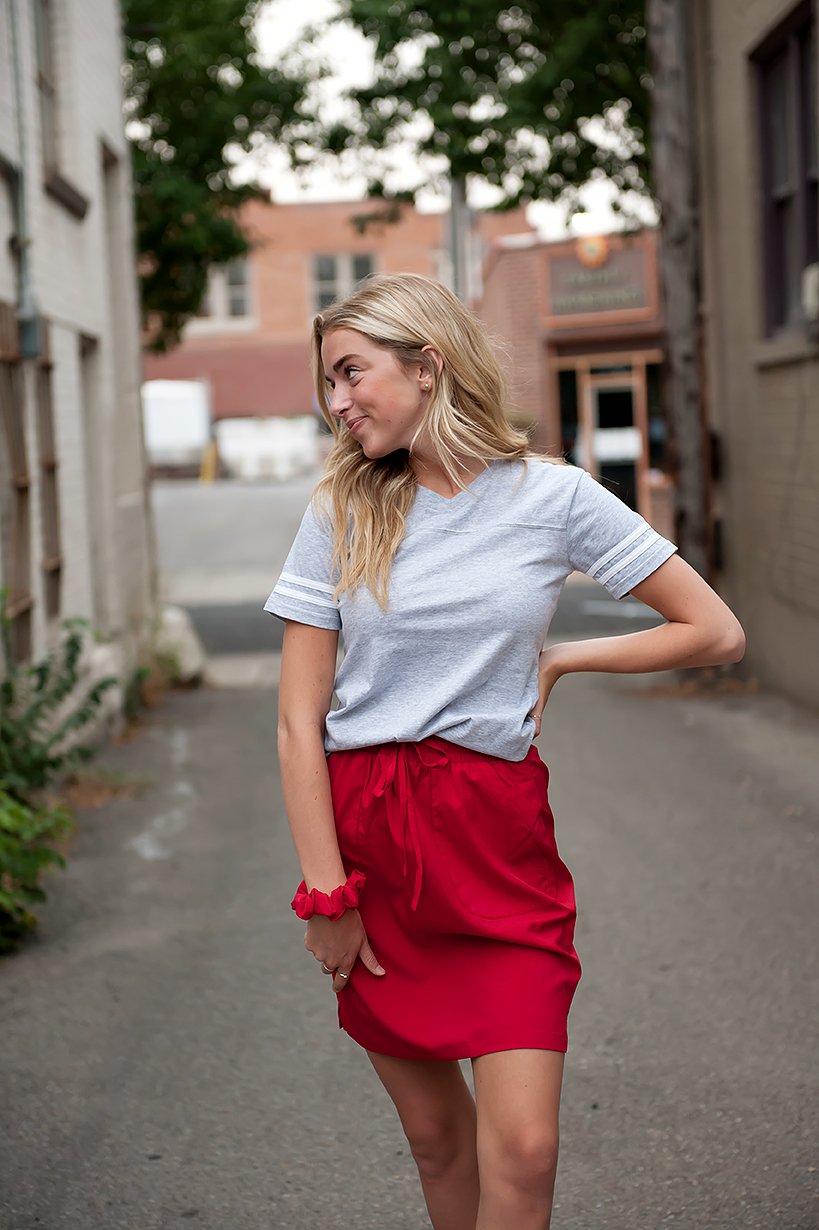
[395, 764]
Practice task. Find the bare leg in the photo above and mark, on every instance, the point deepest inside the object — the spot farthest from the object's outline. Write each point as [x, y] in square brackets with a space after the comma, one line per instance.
[437, 1113]
[518, 1104]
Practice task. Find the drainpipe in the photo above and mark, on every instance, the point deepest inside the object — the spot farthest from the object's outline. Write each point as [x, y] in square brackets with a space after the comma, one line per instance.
[31, 333]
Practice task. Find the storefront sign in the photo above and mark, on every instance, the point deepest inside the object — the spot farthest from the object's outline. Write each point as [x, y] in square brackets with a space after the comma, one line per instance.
[619, 283]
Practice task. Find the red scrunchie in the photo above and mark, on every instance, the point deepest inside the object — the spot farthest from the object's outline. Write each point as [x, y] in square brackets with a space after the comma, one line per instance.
[333, 904]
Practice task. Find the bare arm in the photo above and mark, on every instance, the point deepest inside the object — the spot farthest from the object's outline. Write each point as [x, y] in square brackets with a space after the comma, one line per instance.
[305, 692]
[700, 631]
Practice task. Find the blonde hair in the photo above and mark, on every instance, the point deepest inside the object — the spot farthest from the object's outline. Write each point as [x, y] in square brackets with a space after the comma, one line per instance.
[465, 418]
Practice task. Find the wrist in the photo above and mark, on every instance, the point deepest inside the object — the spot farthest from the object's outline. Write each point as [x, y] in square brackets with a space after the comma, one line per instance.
[332, 905]
[325, 883]
[555, 661]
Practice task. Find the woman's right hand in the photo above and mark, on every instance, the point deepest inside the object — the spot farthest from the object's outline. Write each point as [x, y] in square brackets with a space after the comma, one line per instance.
[337, 944]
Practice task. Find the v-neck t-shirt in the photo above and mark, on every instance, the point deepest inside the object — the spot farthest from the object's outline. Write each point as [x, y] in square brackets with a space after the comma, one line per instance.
[474, 585]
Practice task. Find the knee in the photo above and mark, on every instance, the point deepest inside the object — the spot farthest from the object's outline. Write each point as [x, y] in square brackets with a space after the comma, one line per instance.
[525, 1158]
[438, 1142]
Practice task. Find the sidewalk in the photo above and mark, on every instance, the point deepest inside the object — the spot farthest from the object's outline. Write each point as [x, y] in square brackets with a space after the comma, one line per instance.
[174, 1052]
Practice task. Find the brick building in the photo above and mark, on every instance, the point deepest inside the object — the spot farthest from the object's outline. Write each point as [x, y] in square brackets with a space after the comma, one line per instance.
[251, 342]
[75, 522]
[581, 322]
[758, 116]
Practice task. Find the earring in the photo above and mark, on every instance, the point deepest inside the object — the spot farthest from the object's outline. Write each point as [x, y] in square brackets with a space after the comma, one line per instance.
[426, 388]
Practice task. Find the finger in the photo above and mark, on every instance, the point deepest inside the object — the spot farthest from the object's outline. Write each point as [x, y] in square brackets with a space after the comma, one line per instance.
[369, 958]
[341, 980]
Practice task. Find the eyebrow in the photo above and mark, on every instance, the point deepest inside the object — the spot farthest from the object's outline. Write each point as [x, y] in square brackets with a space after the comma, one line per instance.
[343, 360]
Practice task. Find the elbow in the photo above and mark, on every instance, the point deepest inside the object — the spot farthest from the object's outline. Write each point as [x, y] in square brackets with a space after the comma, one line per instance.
[295, 729]
[730, 646]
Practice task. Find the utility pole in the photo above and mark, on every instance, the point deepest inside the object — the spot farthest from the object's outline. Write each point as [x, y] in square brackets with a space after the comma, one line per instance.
[460, 247]
[673, 131]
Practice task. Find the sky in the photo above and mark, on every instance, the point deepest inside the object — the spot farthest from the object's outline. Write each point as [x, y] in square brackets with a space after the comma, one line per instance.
[279, 24]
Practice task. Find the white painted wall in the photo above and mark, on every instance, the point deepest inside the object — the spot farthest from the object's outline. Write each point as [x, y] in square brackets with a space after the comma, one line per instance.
[84, 280]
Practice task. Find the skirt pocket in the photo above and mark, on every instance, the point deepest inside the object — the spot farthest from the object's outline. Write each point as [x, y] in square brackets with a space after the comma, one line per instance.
[491, 824]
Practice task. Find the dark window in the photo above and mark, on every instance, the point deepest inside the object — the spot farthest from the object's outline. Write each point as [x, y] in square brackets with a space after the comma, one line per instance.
[237, 287]
[335, 276]
[785, 65]
[49, 499]
[657, 427]
[228, 292]
[567, 384]
[46, 84]
[326, 269]
[15, 509]
[362, 267]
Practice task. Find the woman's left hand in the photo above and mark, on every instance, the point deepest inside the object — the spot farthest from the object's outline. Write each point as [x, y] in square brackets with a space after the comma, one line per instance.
[548, 673]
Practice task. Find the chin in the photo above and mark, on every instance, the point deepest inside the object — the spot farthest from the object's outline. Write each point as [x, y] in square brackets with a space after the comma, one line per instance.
[374, 452]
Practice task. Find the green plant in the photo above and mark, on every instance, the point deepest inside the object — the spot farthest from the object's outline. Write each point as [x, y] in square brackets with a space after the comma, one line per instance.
[134, 698]
[36, 740]
[39, 727]
[25, 832]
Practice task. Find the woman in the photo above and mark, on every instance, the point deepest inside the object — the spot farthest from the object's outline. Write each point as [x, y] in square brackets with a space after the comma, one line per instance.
[434, 895]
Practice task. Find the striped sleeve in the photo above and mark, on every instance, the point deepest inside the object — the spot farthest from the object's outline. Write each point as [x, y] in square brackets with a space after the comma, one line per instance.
[304, 590]
[610, 542]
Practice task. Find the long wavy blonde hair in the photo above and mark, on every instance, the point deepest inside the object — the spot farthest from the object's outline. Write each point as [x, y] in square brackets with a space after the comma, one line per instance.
[465, 418]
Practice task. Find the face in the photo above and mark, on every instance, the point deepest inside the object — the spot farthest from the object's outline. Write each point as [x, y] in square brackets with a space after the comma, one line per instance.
[374, 397]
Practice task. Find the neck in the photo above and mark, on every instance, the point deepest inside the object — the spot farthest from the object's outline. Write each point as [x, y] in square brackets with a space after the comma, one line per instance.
[429, 472]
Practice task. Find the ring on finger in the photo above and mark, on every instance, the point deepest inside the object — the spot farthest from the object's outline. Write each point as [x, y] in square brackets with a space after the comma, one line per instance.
[341, 974]
[326, 970]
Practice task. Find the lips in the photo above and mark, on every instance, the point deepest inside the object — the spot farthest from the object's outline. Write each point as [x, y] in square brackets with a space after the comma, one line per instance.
[352, 424]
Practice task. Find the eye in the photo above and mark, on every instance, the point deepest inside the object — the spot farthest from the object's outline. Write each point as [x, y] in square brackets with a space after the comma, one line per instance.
[350, 371]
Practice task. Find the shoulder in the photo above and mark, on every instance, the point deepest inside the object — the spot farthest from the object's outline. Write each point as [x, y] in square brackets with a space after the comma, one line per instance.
[554, 475]
[537, 491]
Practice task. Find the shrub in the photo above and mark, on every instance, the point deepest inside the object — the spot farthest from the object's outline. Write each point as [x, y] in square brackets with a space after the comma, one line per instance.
[37, 741]
[40, 721]
[24, 853]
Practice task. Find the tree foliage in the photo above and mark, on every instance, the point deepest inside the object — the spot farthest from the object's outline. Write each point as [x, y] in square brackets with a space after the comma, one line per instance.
[505, 93]
[196, 98]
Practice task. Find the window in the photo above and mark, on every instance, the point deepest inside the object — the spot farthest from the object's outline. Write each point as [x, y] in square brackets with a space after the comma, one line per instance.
[785, 65]
[237, 296]
[338, 275]
[49, 503]
[46, 87]
[48, 97]
[15, 511]
[228, 297]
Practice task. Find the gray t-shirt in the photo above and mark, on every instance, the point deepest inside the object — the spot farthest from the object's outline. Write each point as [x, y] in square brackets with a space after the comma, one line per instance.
[474, 585]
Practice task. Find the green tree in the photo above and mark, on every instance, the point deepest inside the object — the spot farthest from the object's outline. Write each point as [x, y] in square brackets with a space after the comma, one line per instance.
[505, 94]
[197, 97]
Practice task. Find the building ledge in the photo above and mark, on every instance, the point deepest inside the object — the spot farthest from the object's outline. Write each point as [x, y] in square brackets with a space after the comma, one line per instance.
[789, 348]
[68, 196]
[213, 326]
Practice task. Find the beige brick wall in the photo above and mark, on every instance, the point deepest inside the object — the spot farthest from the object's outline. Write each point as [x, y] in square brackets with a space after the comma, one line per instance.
[83, 280]
[762, 392]
[512, 311]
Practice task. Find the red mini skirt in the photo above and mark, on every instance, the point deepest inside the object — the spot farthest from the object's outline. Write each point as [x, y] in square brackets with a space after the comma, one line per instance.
[466, 905]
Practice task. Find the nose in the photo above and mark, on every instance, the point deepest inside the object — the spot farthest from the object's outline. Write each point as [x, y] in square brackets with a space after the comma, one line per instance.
[339, 401]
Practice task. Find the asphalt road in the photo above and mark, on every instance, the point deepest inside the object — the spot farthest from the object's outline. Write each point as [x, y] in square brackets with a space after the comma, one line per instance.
[171, 1054]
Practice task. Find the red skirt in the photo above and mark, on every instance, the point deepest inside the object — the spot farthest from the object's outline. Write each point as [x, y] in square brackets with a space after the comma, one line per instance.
[467, 904]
